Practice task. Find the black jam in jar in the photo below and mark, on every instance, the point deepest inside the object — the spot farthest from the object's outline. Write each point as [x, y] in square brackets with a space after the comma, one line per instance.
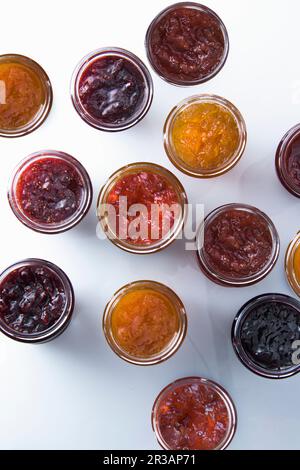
[112, 89]
[36, 301]
[265, 335]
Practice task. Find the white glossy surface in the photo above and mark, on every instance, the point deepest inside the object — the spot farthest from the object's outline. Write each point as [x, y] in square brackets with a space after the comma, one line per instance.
[74, 393]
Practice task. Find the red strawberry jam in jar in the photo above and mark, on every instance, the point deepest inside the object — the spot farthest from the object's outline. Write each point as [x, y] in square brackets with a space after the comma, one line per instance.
[237, 245]
[194, 414]
[111, 89]
[288, 161]
[36, 301]
[142, 208]
[187, 44]
[50, 192]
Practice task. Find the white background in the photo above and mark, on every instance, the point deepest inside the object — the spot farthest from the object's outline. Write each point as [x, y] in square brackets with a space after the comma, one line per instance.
[74, 392]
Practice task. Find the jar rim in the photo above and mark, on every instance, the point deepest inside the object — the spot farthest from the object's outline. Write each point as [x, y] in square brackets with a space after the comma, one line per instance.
[222, 393]
[197, 99]
[280, 162]
[175, 343]
[42, 115]
[138, 64]
[159, 244]
[75, 218]
[204, 9]
[289, 264]
[244, 281]
[66, 315]
[239, 320]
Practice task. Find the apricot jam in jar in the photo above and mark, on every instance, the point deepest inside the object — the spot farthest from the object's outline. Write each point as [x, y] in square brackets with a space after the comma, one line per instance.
[50, 192]
[194, 414]
[292, 264]
[187, 44]
[111, 89]
[288, 161]
[237, 245]
[142, 208]
[25, 95]
[36, 301]
[205, 136]
[145, 323]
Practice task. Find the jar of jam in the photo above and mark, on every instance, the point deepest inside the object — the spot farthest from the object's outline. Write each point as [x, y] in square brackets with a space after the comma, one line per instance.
[237, 245]
[194, 414]
[142, 208]
[288, 161]
[266, 336]
[111, 89]
[292, 264]
[25, 95]
[205, 136]
[36, 301]
[50, 192]
[187, 44]
[145, 323]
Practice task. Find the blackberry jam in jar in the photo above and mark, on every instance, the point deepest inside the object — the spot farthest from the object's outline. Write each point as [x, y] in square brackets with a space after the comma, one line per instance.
[36, 301]
[50, 192]
[111, 89]
[288, 161]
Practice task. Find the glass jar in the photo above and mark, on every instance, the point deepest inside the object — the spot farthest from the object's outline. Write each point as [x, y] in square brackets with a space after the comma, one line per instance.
[264, 261]
[104, 206]
[41, 172]
[138, 331]
[292, 264]
[117, 113]
[182, 51]
[191, 383]
[234, 136]
[25, 95]
[53, 303]
[264, 330]
[288, 161]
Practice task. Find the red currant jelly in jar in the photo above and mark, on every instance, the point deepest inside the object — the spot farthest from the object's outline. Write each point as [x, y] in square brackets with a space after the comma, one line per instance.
[50, 192]
[36, 301]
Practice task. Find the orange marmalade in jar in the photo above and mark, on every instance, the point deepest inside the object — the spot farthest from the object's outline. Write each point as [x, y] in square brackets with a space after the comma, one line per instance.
[205, 136]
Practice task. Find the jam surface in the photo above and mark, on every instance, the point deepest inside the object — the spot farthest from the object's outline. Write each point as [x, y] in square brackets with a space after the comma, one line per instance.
[268, 334]
[148, 189]
[297, 264]
[144, 322]
[238, 243]
[112, 90]
[192, 417]
[205, 136]
[187, 45]
[22, 95]
[32, 299]
[292, 163]
[49, 191]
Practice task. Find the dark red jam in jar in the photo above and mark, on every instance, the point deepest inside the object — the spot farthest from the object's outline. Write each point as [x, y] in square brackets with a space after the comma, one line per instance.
[194, 414]
[266, 336]
[36, 301]
[288, 161]
[50, 192]
[238, 245]
[187, 44]
[142, 208]
[111, 89]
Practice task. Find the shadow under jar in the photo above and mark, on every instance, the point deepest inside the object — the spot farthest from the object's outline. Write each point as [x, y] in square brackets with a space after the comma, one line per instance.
[266, 335]
[142, 208]
[50, 192]
[194, 414]
[36, 301]
[111, 89]
[288, 161]
[145, 323]
[25, 95]
[237, 245]
[205, 136]
[187, 44]
[292, 264]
